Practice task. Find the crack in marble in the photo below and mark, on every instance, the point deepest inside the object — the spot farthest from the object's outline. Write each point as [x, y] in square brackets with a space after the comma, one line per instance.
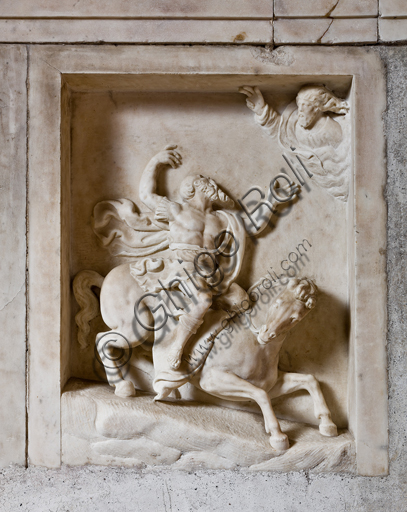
[319, 41]
[332, 9]
[13, 298]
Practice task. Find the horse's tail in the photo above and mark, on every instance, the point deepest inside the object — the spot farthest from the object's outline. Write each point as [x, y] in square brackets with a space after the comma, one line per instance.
[87, 300]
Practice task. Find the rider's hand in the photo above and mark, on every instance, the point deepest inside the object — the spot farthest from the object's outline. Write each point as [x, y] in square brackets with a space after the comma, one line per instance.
[254, 100]
[168, 157]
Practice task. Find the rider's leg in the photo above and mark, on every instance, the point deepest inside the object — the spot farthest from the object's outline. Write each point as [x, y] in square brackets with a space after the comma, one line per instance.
[188, 324]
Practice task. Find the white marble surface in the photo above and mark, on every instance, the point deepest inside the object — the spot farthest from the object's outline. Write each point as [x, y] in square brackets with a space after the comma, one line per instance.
[98, 488]
[325, 31]
[393, 30]
[13, 114]
[136, 31]
[187, 437]
[325, 8]
[366, 270]
[44, 275]
[392, 8]
[139, 9]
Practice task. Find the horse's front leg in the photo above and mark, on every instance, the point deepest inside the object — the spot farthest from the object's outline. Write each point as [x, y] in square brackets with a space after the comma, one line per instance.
[227, 385]
[290, 382]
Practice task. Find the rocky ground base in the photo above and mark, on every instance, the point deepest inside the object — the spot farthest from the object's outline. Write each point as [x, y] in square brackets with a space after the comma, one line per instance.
[100, 428]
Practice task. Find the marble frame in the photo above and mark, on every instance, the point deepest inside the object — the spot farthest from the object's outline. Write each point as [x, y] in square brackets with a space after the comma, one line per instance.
[55, 70]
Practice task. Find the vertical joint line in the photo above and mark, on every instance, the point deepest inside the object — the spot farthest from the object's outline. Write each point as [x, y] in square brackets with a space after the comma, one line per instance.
[27, 82]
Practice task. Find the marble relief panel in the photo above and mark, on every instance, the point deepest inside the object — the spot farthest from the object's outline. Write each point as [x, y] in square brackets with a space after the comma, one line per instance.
[209, 285]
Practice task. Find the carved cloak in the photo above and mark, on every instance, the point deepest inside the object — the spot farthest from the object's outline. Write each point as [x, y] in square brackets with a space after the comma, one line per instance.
[124, 232]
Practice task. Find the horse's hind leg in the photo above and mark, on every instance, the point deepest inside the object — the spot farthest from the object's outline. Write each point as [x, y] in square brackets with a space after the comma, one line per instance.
[290, 382]
[225, 384]
[114, 350]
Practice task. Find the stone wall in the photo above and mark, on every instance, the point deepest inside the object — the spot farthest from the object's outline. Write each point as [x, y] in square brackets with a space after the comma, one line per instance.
[238, 22]
[368, 23]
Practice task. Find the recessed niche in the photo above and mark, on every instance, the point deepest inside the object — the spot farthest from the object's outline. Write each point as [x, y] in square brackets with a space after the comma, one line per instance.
[112, 121]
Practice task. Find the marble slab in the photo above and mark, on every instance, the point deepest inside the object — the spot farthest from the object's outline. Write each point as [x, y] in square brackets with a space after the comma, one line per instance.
[393, 30]
[136, 31]
[139, 9]
[325, 8]
[325, 31]
[392, 8]
[13, 168]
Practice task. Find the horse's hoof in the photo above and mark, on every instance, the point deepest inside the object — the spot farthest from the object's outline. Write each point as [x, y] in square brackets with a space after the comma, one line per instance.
[280, 443]
[328, 430]
[162, 396]
[125, 389]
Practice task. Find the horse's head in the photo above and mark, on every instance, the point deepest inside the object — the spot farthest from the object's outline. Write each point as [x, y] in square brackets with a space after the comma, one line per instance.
[290, 308]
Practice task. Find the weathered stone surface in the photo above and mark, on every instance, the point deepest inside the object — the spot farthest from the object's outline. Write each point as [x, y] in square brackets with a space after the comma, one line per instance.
[44, 356]
[392, 31]
[325, 31]
[136, 31]
[325, 8]
[392, 8]
[13, 117]
[99, 427]
[137, 9]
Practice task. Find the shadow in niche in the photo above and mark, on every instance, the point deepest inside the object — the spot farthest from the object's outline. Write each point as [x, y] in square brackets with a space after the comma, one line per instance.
[100, 149]
[316, 344]
[246, 279]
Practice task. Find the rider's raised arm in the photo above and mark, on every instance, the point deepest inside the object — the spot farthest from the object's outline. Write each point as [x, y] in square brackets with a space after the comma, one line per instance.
[148, 182]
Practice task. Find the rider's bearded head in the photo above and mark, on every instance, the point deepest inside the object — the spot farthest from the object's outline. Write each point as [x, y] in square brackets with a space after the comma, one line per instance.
[206, 185]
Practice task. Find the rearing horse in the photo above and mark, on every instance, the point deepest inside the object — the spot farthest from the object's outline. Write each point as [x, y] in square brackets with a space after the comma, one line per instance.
[248, 370]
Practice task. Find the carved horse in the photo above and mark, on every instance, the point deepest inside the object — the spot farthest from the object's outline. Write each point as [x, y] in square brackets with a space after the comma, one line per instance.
[248, 370]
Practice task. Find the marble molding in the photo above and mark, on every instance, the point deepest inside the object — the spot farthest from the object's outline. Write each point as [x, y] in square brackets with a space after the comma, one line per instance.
[213, 75]
[188, 31]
